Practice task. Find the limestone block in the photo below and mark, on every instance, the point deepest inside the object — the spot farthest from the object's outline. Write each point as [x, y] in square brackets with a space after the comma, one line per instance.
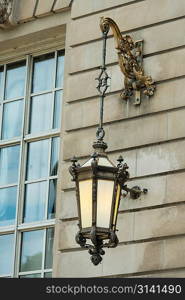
[26, 9]
[126, 259]
[156, 193]
[175, 190]
[159, 222]
[176, 126]
[68, 231]
[120, 135]
[61, 4]
[145, 12]
[81, 7]
[68, 205]
[160, 158]
[77, 264]
[164, 274]
[44, 7]
[115, 108]
[174, 254]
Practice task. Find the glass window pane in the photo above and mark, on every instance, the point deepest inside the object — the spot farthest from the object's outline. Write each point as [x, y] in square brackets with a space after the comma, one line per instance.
[15, 80]
[32, 247]
[12, 119]
[104, 202]
[8, 198]
[60, 69]
[35, 201]
[52, 199]
[41, 113]
[48, 275]
[85, 187]
[37, 275]
[9, 165]
[6, 254]
[38, 160]
[49, 248]
[54, 156]
[57, 109]
[43, 73]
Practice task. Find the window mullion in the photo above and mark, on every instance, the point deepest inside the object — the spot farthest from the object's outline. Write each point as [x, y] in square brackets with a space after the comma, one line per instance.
[20, 192]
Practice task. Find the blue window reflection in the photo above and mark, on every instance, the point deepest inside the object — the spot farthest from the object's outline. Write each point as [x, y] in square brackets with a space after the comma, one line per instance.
[8, 206]
[38, 160]
[6, 254]
[35, 201]
[15, 80]
[12, 119]
[32, 250]
[9, 165]
[41, 121]
[43, 73]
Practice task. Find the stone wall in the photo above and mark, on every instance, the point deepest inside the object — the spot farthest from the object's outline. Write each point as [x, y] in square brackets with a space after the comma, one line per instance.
[151, 138]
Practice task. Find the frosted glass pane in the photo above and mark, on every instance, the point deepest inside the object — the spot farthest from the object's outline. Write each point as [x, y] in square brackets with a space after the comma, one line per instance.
[35, 201]
[6, 254]
[32, 247]
[116, 205]
[8, 197]
[12, 119]
[86, 202]
[41, 113]
[104, 202]
[37, 166]
[43, 73]
[15, 80]
[9, 165]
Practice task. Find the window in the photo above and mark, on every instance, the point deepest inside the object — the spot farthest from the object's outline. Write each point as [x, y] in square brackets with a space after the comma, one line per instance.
[30, 116]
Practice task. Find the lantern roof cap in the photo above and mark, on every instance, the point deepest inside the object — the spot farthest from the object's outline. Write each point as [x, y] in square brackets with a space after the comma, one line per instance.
[102, 160]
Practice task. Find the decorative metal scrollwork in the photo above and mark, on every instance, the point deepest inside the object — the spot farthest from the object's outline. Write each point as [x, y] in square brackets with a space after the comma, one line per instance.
[130, 62]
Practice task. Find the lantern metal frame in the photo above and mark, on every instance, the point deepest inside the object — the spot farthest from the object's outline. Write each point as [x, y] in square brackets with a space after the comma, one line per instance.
[101, 237]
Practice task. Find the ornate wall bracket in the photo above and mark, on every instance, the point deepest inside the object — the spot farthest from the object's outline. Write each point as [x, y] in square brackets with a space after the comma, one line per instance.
[130, 60]
[8, 9]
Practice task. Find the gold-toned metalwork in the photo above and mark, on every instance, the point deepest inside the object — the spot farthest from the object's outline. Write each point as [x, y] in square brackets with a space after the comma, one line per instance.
[130, 62]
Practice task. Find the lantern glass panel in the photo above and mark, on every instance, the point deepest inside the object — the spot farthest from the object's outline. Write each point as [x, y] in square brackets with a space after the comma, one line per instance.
[85, 188]
[116, 206]
[104, 202]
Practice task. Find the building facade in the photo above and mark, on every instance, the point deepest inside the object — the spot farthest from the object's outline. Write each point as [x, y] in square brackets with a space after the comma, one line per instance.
[50, 53]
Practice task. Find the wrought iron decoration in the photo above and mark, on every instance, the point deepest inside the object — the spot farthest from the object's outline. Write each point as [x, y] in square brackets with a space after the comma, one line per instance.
[101, 237]
[130, 62]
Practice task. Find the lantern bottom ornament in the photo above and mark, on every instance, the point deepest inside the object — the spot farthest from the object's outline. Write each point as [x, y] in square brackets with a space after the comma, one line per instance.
[96, 250]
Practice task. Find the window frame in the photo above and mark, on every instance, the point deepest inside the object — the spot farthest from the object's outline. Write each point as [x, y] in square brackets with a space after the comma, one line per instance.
[19, 227]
